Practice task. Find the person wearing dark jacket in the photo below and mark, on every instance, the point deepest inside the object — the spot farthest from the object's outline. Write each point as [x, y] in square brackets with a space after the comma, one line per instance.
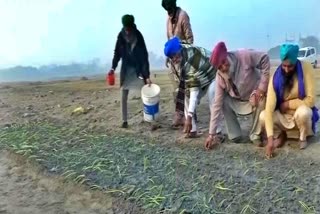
[135, 72]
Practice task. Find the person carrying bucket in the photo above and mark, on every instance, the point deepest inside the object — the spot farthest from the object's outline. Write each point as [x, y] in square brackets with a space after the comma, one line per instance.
[135, 70]
[197, 77]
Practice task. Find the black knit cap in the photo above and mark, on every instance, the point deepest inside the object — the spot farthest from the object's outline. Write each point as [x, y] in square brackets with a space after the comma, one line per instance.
[128, 20]
[169, 4]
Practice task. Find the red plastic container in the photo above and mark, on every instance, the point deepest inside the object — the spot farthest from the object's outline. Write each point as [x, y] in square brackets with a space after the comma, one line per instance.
[110, 78]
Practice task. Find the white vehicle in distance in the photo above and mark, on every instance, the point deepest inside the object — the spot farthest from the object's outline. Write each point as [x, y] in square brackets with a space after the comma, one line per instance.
[308, 54]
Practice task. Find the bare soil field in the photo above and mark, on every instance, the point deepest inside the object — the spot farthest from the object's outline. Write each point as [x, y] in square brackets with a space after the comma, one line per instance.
[148, 168]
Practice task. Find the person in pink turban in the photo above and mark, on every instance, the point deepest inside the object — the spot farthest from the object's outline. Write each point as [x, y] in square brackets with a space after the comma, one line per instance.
[241, 85]
[219, 55]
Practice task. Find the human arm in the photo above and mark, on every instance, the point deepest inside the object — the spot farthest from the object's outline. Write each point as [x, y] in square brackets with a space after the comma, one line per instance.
[270, 108]
[191, 109]
[261, 61]
[186, 28]
[269, 123]
[268, 117]
[145, 60]
[309, 84]
[216, 108]
[194, 72]
[188, 72]
[194, 93]
[167, 25]
[192, 58]
[117, 53]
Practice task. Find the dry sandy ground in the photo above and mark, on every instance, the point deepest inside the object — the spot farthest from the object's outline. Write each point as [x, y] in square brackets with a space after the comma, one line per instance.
[23, 191]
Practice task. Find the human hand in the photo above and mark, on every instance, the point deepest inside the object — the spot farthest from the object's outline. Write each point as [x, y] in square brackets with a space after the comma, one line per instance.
[148, 82]
[284, 107]
[270, 148]
[167, 62]
[256, 97]
[209, 143]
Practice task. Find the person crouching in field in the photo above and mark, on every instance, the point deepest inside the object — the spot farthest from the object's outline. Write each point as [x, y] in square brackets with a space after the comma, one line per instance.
[290, 107]
[131, 49]
[241, 86]
[196, 77]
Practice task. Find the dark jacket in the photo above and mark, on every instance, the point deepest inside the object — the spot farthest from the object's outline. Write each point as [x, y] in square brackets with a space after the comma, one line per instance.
[137, 58]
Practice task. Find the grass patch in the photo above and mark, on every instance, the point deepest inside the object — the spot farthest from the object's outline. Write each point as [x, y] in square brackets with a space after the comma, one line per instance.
[170, 179]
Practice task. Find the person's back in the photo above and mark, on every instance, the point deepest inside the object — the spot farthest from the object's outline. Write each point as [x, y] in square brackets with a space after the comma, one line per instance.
[178, 22]
[241, 87]
[180, 27]
[196, 79]
[198, 70]
[249, 70]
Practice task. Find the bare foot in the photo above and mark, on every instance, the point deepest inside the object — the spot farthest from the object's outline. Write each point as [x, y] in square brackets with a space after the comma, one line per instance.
[303, 144]
[178, 122]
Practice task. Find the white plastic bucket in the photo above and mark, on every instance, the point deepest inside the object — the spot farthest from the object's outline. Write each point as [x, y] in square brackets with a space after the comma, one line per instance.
[150, 97]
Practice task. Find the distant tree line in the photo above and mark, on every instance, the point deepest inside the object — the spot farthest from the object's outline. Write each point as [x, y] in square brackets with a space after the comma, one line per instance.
[47, 72]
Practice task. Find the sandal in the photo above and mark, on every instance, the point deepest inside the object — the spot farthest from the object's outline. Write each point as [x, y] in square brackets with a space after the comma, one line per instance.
[193, 135]
[237, 140]
[220, 138]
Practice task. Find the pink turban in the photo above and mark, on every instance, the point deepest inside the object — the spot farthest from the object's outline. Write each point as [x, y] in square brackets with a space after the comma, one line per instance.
[219, 54]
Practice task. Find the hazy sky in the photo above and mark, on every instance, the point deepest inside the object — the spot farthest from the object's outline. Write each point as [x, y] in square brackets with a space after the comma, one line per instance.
[35, 32]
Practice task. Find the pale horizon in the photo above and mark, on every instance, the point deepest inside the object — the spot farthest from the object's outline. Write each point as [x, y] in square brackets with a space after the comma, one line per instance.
[41, 32]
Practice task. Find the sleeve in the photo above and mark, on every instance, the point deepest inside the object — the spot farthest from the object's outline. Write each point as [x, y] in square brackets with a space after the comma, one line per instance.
[216, 108]
[146, 65]
[270, 107]
[309, 83]
[262, 62]
[167, 25]
[193, 100]
[117, 53]
[191, 68]
[186, 28]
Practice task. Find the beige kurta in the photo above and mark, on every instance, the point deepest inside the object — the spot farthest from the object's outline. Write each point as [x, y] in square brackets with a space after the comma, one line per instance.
[181, 28]
[297, 120]
[297, 125]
